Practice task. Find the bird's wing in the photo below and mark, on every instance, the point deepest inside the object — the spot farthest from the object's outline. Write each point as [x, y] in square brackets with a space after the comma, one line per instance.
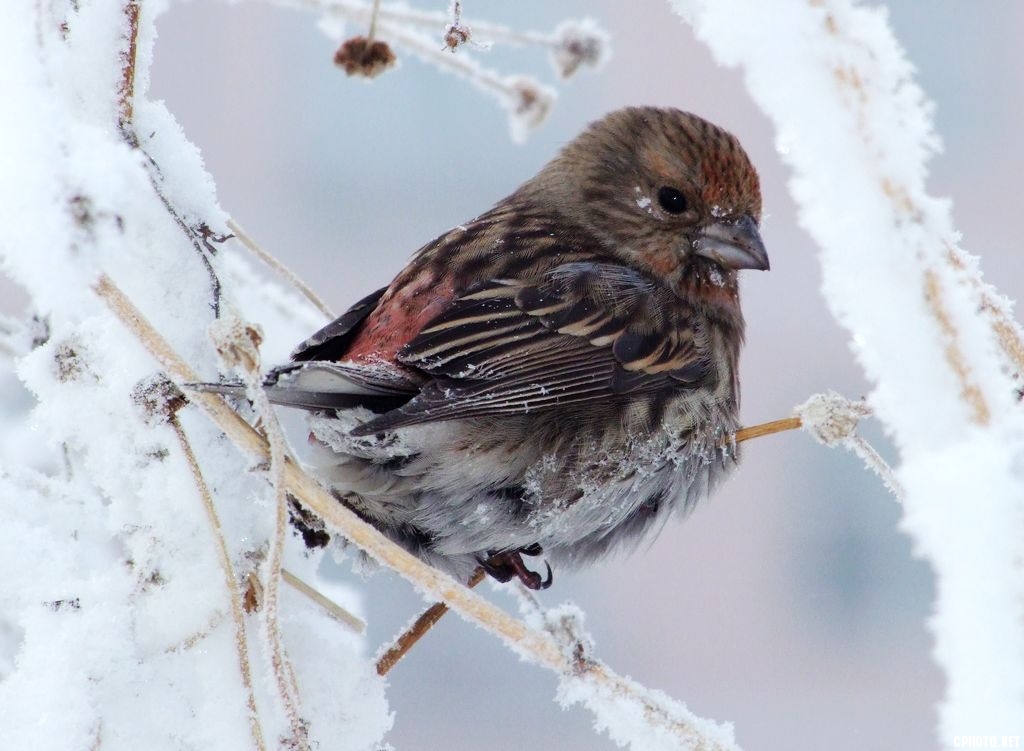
[314, 381]
[580, 332]
[330, 342]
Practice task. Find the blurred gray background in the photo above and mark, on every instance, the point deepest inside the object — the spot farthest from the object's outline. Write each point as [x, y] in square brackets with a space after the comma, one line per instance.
[790, 604]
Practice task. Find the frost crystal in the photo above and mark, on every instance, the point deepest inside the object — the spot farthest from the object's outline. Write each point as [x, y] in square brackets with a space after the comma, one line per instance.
[832, 419]
[642, 201]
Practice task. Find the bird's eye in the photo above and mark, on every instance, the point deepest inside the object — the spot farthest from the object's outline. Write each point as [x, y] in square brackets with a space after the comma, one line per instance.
[672, 200]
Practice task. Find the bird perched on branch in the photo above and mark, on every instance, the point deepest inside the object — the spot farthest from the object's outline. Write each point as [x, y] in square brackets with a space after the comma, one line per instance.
[557, 376]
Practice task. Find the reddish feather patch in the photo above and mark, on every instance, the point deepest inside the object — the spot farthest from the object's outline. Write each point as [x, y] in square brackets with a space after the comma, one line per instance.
[405, 309]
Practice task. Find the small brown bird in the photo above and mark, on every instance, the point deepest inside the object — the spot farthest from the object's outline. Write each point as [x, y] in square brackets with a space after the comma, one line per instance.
[558, 375]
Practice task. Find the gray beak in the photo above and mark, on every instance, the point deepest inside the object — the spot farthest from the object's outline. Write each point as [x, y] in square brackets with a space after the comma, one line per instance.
[734, 244]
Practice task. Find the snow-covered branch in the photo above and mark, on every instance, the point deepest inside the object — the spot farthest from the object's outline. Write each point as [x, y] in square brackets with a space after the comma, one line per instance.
[573, 45]
[938, 343]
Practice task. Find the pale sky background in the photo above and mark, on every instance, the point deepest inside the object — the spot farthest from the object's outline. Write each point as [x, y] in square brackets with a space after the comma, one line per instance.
[790, 604]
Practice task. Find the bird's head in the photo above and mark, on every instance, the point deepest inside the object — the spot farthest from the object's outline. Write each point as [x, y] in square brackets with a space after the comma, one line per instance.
[663, 189]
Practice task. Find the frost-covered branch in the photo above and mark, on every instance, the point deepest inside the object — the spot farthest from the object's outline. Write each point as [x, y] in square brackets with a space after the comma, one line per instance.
[279, 268]
[572, 45]
[161, 400]
[832, 420]
[938, 343]
[238, 346]
[101, 543]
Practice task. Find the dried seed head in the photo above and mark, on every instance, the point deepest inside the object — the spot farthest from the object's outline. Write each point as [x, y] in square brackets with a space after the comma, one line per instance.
[358, 57]
[579, 43]
[252, 595]
[528, 105]
[71, 361]
[456, 33]
[158, 397]
[830, 418]
[237, 342]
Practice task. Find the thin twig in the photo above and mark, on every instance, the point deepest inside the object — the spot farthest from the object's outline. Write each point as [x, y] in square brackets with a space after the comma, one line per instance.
[234, 595]
[126, 91]
[126, 109]
[238, 345]
[992, 304]
[334, 609]
[283, 271]
[538, 647]
[432, 20]
[970, 391]
[427, 48]
[419, 628]
[874, 461]
[195, 638]
[767, 428]
[371, 31]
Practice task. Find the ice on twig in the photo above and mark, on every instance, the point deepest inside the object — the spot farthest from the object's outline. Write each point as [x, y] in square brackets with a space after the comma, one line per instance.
[831, 418]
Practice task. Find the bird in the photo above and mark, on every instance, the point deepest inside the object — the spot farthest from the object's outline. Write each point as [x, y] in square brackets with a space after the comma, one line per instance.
[559, 375]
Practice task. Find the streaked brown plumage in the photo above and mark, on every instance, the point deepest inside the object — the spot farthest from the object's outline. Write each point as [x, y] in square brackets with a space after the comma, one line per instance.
[558, 374]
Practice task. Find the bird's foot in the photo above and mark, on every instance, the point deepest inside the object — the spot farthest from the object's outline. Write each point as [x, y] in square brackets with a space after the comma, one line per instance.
[504, 566]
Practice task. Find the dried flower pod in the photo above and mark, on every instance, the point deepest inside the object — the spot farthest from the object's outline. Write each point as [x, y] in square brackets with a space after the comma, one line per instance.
[578, 43]
[359, 56]
[159, 398]
[456, 33]
[528, 104]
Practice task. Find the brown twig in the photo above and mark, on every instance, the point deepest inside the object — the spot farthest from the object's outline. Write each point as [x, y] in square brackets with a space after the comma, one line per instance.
[1007, 330]
[238, 346]
[768, 428]
[333, 609]
[286, 273]
[408, 638]
[970, 392]
[125, 114]
[126, 91]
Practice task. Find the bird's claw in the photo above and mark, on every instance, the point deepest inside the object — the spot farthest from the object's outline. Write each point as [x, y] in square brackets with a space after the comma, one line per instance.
[508, 564]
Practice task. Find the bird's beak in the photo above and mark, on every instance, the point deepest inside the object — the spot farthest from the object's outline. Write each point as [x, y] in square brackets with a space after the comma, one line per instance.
[734, 244]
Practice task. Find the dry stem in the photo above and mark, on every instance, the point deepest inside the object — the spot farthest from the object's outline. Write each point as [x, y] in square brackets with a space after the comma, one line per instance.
[1007, 330]
[239, 346]
[408, 638]
[234, 596]
[768, 428]
[969, 391]
[334, 609]
[432, 20]
[126, 91]
[391, 25]
[283, 271]
[371, 32]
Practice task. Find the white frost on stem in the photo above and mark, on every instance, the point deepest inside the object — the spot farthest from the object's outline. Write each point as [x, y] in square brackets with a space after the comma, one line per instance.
[933, 339]
[632, 715]
[832, 420]
[238, 345]
[112, 615]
